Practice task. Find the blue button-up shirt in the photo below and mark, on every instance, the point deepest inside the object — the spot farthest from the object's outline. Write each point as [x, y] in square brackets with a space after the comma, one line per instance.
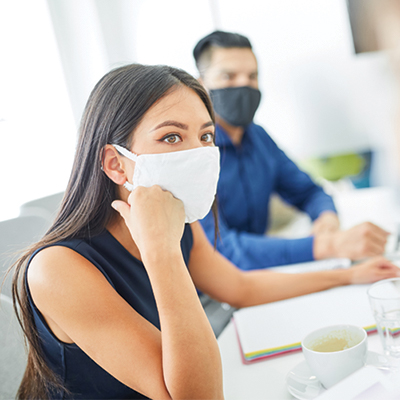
[250, 173]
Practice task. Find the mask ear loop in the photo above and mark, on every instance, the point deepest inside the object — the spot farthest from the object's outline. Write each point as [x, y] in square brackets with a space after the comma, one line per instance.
[128, 186]
[129, 155]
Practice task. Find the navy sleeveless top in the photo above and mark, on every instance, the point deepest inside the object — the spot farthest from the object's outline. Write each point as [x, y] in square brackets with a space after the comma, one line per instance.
[79, 373]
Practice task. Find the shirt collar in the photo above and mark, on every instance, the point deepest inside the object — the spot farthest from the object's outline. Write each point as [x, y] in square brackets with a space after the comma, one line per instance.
[222, 138]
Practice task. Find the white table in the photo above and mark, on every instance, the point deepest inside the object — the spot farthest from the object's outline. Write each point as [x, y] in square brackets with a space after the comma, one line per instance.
[267, 379]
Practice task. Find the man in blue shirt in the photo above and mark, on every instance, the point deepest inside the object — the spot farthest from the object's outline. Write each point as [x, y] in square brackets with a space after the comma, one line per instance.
[253, 168]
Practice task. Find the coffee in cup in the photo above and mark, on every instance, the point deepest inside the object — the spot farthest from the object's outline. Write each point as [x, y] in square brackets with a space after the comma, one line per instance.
[334, 352]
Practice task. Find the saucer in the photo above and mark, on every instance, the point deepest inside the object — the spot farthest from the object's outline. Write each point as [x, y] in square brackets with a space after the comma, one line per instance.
[304, 385]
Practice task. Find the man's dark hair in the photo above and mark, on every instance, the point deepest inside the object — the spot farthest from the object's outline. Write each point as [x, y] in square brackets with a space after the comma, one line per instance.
[203, 50]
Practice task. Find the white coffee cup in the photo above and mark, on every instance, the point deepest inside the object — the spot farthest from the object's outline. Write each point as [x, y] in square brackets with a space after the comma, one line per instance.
[334, 352]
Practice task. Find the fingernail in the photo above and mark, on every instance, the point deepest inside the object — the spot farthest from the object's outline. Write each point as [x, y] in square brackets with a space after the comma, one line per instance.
[114, 205]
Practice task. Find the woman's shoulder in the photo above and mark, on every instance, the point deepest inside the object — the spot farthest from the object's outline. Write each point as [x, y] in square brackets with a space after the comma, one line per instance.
[54, 266]
[54, 254]
[58, 277]
[57, 265]
[73, 251]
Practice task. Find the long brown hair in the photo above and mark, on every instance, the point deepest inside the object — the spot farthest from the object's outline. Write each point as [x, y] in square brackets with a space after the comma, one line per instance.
[115, 107]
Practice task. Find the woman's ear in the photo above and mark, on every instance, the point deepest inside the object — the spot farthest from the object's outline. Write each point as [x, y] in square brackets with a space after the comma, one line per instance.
[115, 166]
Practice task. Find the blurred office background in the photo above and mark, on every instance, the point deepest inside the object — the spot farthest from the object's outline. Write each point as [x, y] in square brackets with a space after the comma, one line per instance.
[320, 98]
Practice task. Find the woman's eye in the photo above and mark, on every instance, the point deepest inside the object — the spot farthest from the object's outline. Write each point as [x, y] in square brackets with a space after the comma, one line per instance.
[207, 137]
[171, 139]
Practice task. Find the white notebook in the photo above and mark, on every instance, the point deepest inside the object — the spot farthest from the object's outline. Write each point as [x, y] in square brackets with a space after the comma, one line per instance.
[276, 328]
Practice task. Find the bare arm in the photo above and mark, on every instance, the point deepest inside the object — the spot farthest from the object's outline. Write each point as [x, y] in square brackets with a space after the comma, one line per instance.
[181, 361]
[215, 275]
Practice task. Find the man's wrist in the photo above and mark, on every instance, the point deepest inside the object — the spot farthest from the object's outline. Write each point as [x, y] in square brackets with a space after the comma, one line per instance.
[327, 222]
[323, 246]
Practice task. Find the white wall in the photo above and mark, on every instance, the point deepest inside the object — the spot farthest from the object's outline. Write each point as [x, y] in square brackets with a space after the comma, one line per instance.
[318, 97]
[81, 46]
[37, 131]
[169, 35]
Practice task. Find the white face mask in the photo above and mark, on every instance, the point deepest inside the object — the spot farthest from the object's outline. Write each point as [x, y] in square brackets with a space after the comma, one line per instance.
[190, 175]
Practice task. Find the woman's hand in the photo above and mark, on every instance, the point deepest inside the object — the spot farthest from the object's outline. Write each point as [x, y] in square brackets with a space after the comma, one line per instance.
[154, 217]
[373, 270]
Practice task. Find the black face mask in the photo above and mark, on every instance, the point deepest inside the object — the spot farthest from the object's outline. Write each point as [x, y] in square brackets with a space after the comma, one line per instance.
[236, 105]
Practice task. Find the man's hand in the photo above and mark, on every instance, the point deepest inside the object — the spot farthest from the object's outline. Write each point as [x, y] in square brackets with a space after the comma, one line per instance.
[361, 241]
[327, 221]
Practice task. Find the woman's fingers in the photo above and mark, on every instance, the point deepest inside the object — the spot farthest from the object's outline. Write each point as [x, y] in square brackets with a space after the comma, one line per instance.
[122, 207]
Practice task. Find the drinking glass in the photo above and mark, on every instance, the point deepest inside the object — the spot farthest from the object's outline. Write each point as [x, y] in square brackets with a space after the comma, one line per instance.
[384, 297]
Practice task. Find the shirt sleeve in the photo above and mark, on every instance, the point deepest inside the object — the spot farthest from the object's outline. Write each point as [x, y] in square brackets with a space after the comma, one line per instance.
[252, 251]
[298, 189]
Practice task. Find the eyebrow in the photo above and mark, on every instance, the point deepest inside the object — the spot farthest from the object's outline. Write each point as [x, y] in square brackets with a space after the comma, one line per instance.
[180, 125]
[207, 124]
[233, 71]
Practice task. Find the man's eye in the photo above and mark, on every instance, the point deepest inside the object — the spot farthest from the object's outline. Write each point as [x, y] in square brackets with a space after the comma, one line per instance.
[207, 137]
[227, 77]
[171, 139]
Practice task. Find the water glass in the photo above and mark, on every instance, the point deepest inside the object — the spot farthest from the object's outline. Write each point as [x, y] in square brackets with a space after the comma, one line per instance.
[384, 297]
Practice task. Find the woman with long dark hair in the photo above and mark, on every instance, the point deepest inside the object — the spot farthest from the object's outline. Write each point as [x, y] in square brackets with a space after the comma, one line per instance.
[107, 299]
